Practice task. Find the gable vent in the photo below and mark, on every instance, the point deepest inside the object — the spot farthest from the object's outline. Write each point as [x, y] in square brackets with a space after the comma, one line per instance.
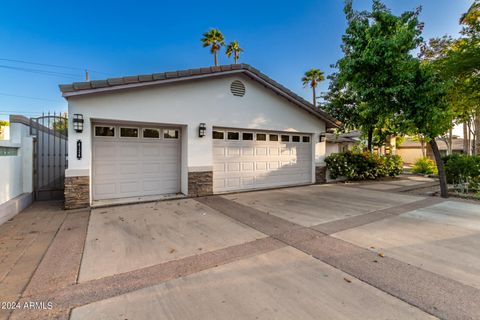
[237, 88]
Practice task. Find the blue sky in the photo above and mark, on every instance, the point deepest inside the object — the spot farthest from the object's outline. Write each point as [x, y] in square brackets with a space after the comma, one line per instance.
[281, 38]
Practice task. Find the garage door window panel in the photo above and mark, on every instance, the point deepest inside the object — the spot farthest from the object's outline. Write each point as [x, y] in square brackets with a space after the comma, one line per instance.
[149, 133]
[273, 137]
[170, 134]
[247, 136]
[295, 138]
[231, 135]
[306, 139]
[126, 132]
[218, 135]
[104, 131]
[261, 137]
[285, 138]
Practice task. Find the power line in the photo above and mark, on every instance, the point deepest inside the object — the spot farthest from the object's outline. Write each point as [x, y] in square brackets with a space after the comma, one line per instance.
[26, 97]
[52, 65]
[43, 72]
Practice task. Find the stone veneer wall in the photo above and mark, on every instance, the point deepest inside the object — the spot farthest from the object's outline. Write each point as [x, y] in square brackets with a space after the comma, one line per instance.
[321, 174]
[77, 192]
[200, 183]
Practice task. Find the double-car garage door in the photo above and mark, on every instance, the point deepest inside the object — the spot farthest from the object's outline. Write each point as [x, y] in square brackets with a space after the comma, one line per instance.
[135, 161]
[247, 159]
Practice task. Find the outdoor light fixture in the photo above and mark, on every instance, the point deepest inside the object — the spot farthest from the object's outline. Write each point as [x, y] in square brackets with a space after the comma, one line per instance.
[79, 149]
[202, 130]
[322, 136]
[78, 122]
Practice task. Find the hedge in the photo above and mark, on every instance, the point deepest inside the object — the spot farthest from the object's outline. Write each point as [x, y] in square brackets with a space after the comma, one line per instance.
[363, 166]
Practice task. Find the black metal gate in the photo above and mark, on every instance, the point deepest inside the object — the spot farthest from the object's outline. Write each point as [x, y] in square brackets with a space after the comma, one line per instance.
[50, 133]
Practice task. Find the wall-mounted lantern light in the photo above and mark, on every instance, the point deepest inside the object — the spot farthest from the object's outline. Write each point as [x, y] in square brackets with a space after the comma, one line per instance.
[322, 137]
[202, 130]
[78, 122]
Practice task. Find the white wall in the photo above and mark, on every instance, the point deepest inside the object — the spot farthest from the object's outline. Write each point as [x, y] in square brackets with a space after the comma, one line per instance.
[16, 171]
[188, 104]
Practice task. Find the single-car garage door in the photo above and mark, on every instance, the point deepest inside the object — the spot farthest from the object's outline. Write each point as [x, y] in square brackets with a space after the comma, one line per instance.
[247, 159]
[135, 161]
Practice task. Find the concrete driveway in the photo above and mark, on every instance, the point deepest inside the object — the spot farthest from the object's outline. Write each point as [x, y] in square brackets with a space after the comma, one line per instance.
[362, 251]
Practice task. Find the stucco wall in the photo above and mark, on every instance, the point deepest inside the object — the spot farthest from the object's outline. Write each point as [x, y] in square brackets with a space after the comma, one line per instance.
[409, 155]
[15, 170]
[187, 104]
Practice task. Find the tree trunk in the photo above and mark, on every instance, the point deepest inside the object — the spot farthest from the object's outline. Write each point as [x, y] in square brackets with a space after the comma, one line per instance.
[370, 139]
[314, 97]
[215, 58]
[466, 147]
[477, 133]
[441, 170]
[422, 146]
[449, 146]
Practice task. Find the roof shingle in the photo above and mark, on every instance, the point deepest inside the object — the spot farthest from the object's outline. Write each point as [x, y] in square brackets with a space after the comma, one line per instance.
[92, 86]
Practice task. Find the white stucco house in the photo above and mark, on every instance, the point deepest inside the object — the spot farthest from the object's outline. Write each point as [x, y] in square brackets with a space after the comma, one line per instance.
[192, 132]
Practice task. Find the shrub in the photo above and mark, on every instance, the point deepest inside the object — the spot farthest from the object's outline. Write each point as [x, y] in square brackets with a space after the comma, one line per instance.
[363, 166]
[425, 166]
[463, 169]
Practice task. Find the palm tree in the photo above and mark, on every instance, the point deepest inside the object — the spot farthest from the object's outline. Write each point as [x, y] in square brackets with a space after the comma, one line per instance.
[213, 38]
[234, 48]
[313, 77]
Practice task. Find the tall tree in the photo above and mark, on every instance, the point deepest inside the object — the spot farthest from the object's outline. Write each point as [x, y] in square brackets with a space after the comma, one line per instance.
[214, 39]
[234, 48]
[425, 110]
[376, 66]
[313, 77]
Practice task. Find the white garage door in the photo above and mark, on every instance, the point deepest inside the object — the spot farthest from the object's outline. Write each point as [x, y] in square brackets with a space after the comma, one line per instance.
[132, 161]
[254, 159]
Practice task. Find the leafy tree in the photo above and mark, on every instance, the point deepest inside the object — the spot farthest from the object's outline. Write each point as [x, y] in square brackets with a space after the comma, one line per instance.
[458, 60]
[388, 88]
[234, 48]
[215, 40]
[425, 111]
[313, 77]
[376, 68]
[4, 123]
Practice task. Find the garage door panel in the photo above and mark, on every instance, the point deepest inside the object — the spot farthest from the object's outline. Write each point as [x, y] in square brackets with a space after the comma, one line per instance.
[135, 167]
[105, 189]
[105, 151]
[241, 165]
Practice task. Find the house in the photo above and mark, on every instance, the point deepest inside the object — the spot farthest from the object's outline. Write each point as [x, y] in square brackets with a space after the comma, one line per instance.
[342, 142]
[411, 150]
[191, 132]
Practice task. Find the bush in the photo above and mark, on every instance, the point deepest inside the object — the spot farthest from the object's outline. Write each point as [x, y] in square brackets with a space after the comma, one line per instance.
[463, 169]
[363, 166]
[425, 166]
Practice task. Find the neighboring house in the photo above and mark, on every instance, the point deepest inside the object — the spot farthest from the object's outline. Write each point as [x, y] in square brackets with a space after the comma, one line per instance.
[192, 132]
[411, 150]
[342, 142]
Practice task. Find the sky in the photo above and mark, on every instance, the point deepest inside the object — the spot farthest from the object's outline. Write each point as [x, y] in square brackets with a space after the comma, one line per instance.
[283, 39]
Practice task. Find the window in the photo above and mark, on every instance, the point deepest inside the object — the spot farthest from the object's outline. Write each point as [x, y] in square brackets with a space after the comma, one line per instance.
[247, 136]
[295, 138]
[218, 135]
[285, 138]
[273, 137]
[233, 135]
[305, 139]
[101, 131]
[8, 151]
[261, 137]
[170, 134]
[129, 132]
[151, 133]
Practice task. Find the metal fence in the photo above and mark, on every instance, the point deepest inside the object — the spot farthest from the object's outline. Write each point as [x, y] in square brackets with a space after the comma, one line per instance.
[50, 155]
